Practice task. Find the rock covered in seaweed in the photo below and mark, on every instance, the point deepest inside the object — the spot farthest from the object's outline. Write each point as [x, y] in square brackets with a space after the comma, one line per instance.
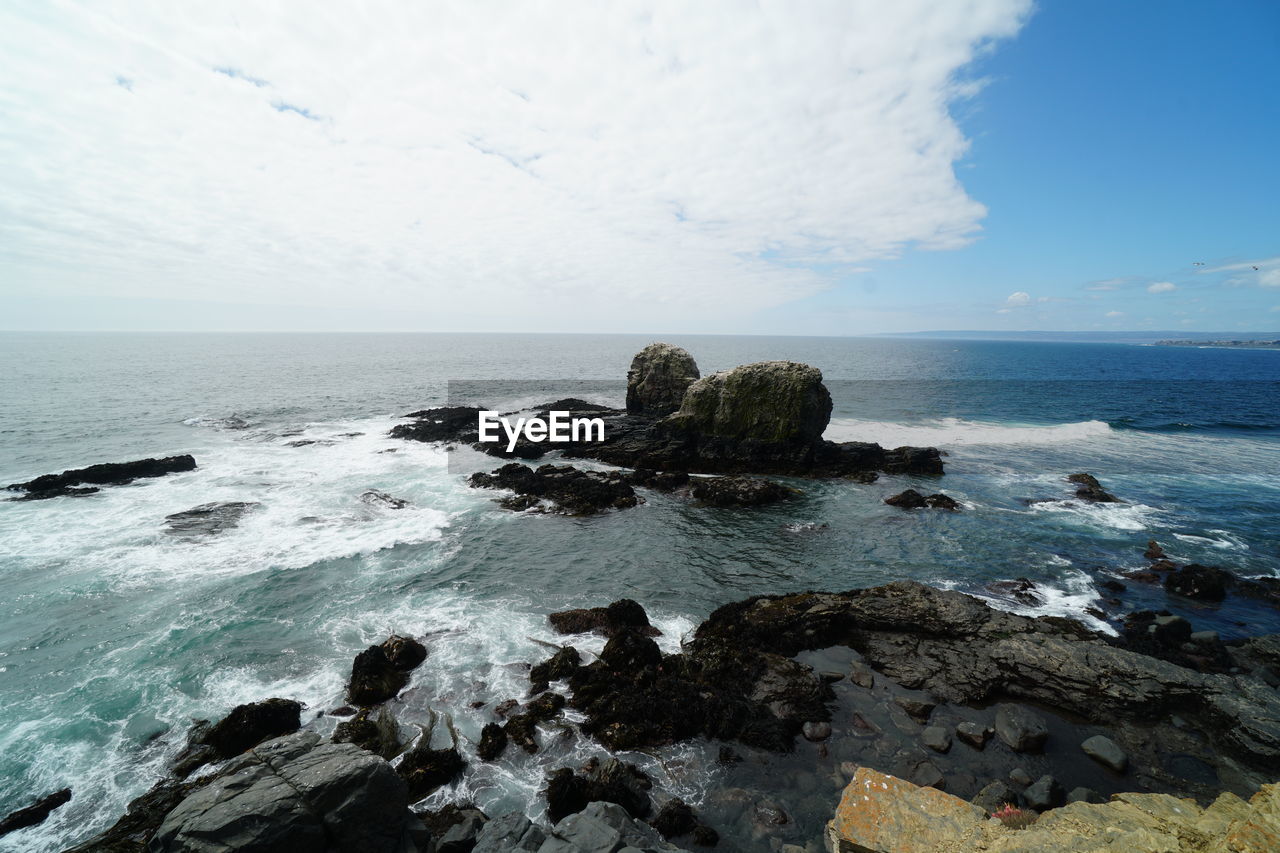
[561, 489]
[380, 672]
[660, 375]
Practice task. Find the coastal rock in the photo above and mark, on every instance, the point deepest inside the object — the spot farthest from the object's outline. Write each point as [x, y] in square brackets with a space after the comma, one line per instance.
[603, 827]
[995, 796]
[739, 491]
[1206, 583]
[447, 423]
[623, 614]
[974, 734]
[816, 732]
[104, 474]
[1091, 490]
[1044, 793]
[561, 665]
[609, 781]
[425, 770]
[882, 814]
[380, 672]
[493, 741]
[911, 499]
[510, 833]
[522, 728]
[661, 481]
[376, 497]
[34, 814]
[660, 375]
[208, 519]
[936, 738]
[559, 488]
[295, 793]
[1021, 590]
[249, 725]
[772, 402]
[1084, 795]
[1103, 750]
[1154, 551]
[1021, 729]
[455, 828]
[677, 818]
[380, 735]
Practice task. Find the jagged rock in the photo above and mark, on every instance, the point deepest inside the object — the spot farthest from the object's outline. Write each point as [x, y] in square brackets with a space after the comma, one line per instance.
[380, 735]
[521, 728]
[936, 738]
[208, 519]
[911, 499]
[455, 828]
[447, 423]
[660, 375]
[1044, 793]
[604, 826]
[35, 813]
[740, 491]
[559, 666]
[974, 734]
[1091, 490]
[1103, 750]
[104, 474]
[1021, 590]
[1084, 795]
[995, 796]
[608, 781]
[510, 833]
[558, 488]
[493, 740]
[380, 672]
[425, 769]
[1154, 551]
[621, 615]
[1021, 729]
[249, 725]
[295, 793]
[768, 402]
[1196, 581]
[375, 497]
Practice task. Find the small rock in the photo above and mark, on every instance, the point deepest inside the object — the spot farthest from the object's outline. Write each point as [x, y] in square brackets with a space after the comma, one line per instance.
[1091, 490]
[861, 675]
[817, 731]
[917, 709]
[1103, 750]
[927, 775]
[1084, 795]
[995, 796]
[911, 499]
[936, 738]
[1205, 638]
[1205, 583]
[974, 734]
[1154, 551]
[1021, 729]
[1045, 793]
[493, 740]
[1018, 776]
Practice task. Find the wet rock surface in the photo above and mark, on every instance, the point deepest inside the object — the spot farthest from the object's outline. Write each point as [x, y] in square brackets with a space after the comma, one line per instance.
[34, 814]
[623, 614]
[208, 519]
[739, 491]
[1089, 489]
[608, 780]
[560, 489]
[380, 672]
[911, 499]
[81, 481]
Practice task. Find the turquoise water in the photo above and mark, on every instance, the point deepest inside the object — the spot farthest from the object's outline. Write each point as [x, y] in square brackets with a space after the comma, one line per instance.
[114, 633]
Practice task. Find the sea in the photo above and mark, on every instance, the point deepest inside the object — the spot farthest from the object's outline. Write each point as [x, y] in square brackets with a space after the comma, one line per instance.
[115, 633]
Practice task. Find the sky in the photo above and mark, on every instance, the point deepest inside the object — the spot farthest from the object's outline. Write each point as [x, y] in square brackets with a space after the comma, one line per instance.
[801, 167]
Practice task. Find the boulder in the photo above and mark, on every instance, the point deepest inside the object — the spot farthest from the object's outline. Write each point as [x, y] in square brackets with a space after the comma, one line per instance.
[937, 738]
[562, 664]
[510, 833]
[560, 489]
[1103, 750]
[380, 735]
[1021, 729]
[104, 474]
[602, 827]
[1091, 490]
[425, 770]
[660, 375]
[455, 828]
[35, 813]
[974, 734]
[1045, 793]
[769, 402]
[621, 615]
[380, 672]
[249, 725]
[609, 781]
[879, 812]
[911, 499]
[1206, 583]
[739, 491]
[995, 796]
[1084, 795]
[493, 741]
[816, 731]
[296, 793]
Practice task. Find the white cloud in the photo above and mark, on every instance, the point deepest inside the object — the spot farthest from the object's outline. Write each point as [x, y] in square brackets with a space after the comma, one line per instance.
[1018, 298]
[1162, 287]
[1115, 314]
[1269, 278]
[628, 159]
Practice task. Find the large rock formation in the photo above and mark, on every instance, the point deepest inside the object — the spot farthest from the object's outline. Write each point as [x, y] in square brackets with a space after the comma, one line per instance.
[74, 482]
[768, 402]
[296, 793]
[883, 814]
[659, 376]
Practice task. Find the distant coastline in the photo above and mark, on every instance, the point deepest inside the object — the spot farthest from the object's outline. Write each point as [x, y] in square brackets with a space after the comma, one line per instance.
[1232, 344]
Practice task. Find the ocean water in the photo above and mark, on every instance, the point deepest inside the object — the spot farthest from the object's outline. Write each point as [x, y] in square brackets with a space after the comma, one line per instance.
[114, 633]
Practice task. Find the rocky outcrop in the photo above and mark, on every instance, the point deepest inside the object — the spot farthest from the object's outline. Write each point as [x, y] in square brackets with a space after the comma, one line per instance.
[609, 781]
[34, 814]
[208, 519]
[597, 828]
[246, 726]
[739, 491]
[380, 672]
[296, 793]
[883, 814]
[447, 423]
[81, 481]
[911, 499]
[379, 733]
[770, 402]
[560, 489]
[1195, 581]
[623, 614]
[660, 375]
[1091, 490]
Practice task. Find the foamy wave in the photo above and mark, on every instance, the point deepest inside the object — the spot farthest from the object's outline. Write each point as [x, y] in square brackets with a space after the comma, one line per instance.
[1073, 594]
[1223, 540]
[1129, 517]
[958, 432]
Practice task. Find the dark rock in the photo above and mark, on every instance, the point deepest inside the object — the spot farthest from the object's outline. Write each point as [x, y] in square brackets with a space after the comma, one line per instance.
[448, 423]
[559, 488]
[740, 491]
[861, 675]
[769, 813]
[559, 666]
[425, 770]
[816, 731]
[1020, 777]
[380, 735]
[1084, 795]
[208, 519]
[927, 775]
[1154, 551]
[674, 819]
[662, 481]
[1045, 793]
[249, 725]
[1113, 585]
[995, 796]
[936, 738]
[510, 833]
[493, 740]
[1165, 636]
[1103, 750]
[1021, 590]
[603, 826]
[621, 615]
[522, 728]
[918, 709]
[295, 793]
[571, 404]
[456, 827]
[974, 734]
[705, 836]
[1196, 581]
[1091, 490]
[380, 672]
[660, 375]
[911, 499]
[105, 474]
[607, 781]
[35, 813]
[374, 497]
[1021, 729]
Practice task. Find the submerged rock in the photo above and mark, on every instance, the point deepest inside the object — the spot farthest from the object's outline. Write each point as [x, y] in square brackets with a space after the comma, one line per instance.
[34, 814]
[208, 519]
[104, 474]
[375, 497]
[660, 375]
[1021, 729]
[1091, 490]
[911, 499]
[559, 488]
[740, 491]
[1103, 750]
[1206, 583]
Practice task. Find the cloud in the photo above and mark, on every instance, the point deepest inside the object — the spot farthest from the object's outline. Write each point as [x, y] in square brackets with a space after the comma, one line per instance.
[638, 162]
[1018, 299]
[1114, 314]
[1162, 287]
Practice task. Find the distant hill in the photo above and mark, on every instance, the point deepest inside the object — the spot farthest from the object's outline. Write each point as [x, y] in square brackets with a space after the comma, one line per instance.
[1143, 337]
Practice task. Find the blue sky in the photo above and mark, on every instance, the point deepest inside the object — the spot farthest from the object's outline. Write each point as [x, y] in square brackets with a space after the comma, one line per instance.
[815, 168]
